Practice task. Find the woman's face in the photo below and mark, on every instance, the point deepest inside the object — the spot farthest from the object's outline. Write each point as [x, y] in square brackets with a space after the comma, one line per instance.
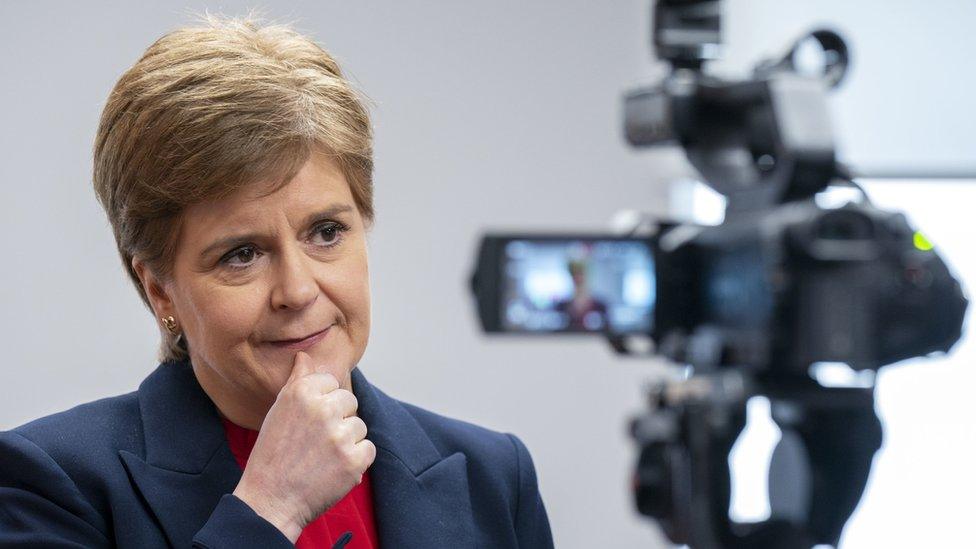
[254, 273]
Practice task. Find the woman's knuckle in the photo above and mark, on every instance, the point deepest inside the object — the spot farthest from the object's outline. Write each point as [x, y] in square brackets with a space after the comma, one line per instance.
[327, 406]
[303, 388]
[350, 461]
[335, 438]
[328, 379]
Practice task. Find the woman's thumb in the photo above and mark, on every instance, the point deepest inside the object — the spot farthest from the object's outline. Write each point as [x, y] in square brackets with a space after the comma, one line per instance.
[301, 367]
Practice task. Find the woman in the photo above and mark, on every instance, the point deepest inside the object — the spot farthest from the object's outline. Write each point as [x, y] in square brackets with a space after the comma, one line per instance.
[234, 163]
[583, 311]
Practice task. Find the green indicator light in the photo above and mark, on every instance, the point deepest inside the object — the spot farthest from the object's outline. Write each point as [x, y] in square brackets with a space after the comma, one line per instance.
[921, 242]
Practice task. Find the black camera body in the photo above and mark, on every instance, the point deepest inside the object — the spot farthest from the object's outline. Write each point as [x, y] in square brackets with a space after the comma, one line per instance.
[796, 284]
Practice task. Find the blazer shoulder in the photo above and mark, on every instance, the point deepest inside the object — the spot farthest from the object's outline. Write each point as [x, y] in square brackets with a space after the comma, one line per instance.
[454, 435]
[66, 464]
[500, 459]
[85, 440]
[501, 466]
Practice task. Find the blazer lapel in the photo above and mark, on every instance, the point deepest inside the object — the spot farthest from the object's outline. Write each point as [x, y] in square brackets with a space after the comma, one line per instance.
[420, 497]
[188, 465]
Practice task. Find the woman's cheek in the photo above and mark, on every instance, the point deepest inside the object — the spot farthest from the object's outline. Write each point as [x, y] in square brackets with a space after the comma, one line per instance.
[234, 313]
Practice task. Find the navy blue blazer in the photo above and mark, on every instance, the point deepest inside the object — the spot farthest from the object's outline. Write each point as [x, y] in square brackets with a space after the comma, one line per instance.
[153, 468]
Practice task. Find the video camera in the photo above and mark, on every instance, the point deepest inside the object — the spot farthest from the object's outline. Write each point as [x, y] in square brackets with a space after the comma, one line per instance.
[782, 284]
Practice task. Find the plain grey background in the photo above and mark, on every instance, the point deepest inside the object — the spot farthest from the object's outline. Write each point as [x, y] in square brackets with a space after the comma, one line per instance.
[488, 115]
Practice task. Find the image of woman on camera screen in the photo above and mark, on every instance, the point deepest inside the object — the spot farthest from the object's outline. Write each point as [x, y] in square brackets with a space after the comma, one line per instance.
[583, 311]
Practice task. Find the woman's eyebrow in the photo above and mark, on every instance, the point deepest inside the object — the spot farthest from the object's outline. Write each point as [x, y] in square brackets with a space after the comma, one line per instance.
[232, 240]
[331, 211]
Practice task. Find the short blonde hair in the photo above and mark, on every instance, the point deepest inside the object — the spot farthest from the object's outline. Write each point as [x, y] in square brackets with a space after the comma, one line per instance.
[210, 109]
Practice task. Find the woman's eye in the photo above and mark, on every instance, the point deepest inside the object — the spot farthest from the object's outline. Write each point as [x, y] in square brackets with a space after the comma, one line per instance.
[241, 257]
[328, 235]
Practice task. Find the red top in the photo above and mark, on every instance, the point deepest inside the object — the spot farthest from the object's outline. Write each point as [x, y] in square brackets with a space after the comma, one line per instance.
[353, 513]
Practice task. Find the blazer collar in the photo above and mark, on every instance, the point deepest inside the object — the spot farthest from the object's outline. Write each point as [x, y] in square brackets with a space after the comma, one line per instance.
[420, 496]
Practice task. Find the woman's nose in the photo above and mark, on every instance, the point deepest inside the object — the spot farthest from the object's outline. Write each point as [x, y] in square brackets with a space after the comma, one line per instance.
[296, 286]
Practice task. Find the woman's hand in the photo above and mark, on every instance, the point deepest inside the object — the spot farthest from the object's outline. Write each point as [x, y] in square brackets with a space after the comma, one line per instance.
[310, 453]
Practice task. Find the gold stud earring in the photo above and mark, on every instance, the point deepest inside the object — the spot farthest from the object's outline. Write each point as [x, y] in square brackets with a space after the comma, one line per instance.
[170, 323]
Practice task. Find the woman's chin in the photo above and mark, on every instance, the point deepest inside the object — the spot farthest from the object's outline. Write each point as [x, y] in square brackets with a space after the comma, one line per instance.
[325, 358]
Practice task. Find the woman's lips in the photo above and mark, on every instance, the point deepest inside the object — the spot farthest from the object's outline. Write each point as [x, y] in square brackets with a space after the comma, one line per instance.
[301, 344]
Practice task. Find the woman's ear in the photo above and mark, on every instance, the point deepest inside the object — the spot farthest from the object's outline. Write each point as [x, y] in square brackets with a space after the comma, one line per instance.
[162, 303]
